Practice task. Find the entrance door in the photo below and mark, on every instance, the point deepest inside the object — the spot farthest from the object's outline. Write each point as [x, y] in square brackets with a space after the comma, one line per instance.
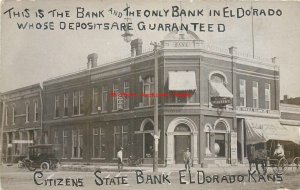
[181, 143]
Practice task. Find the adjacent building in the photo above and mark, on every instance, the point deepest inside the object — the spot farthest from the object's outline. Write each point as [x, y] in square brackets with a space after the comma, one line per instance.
[211, 100]
[21, 121]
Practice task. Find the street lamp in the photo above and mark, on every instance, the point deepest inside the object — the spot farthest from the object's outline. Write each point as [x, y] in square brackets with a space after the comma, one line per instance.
[156, 132]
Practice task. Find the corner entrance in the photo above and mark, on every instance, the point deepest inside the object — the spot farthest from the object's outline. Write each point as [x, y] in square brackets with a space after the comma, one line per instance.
[181, 134]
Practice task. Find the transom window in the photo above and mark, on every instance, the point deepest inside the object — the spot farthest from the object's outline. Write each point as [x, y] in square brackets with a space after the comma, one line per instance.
[182, 128]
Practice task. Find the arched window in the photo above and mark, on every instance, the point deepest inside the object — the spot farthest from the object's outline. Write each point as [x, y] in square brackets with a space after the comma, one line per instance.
[218, 77]
[219, 95]
[148, 88]
[182, 128]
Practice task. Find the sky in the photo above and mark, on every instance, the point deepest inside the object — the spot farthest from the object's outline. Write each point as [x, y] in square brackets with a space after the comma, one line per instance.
[31, 56]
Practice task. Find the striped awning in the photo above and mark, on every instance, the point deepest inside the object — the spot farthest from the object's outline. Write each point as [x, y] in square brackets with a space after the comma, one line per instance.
[261, 130]
[182, 80]
[219, 90]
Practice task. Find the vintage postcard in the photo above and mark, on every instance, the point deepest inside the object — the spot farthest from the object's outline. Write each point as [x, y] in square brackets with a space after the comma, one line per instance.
[160, 94]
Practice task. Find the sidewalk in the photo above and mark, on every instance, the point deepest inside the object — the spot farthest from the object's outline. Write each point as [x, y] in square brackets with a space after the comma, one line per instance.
[228, 169]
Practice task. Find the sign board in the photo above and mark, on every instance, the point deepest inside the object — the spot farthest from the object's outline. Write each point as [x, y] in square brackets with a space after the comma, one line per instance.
[258, 110]
[233, 148]
[220, 101]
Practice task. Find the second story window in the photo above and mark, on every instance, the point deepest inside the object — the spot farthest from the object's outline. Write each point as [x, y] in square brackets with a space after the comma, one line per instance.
[56, 106]
[13, 115]
[126, 91]
[26, 112]
[75, 103]
[6, 115]
[95, 100]
[104, 99]
[36, 113]
[78, 102]
[148, 88]
[66, 104]
[242, 93]
[267, 96]
[115, 97]
[255, 94]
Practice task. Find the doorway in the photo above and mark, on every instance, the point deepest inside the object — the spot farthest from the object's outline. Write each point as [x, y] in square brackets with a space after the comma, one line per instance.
[182, 142]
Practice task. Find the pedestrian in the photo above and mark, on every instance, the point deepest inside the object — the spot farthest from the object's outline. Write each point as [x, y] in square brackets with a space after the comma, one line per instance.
[187, 158]
[120, 159]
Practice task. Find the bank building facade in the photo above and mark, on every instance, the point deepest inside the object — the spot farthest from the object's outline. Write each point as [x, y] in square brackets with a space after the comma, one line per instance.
[211, 100]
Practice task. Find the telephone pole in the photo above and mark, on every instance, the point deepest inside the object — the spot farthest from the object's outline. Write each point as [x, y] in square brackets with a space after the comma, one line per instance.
[156, 133]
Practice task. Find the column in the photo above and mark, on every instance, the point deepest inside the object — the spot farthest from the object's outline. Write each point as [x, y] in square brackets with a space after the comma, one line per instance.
[201, 139]
[170, 151]
[195, 147]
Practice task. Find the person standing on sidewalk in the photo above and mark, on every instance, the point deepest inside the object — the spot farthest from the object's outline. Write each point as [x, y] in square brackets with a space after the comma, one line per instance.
[187, 158]
[120, 159]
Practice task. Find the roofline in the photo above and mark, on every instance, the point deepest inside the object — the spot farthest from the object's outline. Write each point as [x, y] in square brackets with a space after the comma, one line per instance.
[36, 85]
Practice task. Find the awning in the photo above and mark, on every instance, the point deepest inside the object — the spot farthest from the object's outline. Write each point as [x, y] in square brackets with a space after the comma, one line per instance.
[182, 80]
[219, 90]
[260, 130]
[295, 130]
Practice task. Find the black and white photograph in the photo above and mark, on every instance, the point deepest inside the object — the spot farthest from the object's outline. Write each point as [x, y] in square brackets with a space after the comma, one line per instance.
[162, 94]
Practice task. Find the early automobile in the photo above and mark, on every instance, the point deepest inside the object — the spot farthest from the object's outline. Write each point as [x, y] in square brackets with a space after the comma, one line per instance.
[44, 156]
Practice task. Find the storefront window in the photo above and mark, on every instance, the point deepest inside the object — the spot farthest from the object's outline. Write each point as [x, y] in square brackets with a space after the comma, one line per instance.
[65, 143]
[77, 143]
[98, 143]
[221, 134]
[220, 141]
[121, 139]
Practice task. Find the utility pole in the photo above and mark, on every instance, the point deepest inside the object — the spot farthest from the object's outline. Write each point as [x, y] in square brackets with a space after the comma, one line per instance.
[156, 134]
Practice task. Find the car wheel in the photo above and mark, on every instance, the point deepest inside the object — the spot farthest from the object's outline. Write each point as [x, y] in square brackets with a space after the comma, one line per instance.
[45, 166]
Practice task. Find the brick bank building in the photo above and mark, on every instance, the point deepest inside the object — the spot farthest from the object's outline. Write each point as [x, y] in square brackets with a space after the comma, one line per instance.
[81, 114]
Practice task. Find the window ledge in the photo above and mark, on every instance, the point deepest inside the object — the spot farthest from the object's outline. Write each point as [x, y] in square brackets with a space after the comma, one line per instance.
[94, 113]
[141, 107]
[76, 158]
[98, 158]
[77, 115]
[65, 116]
[26, 122]
[56, 117]
[104, 112]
